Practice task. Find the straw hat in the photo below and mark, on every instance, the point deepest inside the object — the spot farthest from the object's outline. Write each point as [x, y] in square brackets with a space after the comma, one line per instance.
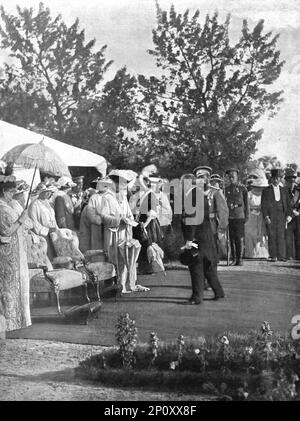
[127, 175]
[65, 182]
[41, 187]
[22, 187]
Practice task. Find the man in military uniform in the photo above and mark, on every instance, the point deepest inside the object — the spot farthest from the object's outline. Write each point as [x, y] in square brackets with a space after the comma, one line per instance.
[216, 181]
[293, 227]
[204, 263]
[237, 201]
[218, 210]
[77, 195]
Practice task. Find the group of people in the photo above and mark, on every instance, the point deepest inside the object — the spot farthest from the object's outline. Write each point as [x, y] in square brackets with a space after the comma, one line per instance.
[127, 216]
[263, 220]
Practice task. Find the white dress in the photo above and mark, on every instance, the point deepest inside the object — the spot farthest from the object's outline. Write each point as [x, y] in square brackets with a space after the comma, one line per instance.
[256, 241]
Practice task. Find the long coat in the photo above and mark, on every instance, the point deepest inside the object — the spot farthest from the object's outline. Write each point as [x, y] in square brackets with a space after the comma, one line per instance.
[14, 275]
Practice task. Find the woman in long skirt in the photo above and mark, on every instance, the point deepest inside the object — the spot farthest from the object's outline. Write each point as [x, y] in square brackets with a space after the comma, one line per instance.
[14, 275]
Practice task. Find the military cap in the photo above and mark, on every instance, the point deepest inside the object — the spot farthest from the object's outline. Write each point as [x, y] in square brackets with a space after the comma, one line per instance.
[202, 169]
[276, 172]
[216, 177]
[290, 173]
[232, 170]
[78, 178]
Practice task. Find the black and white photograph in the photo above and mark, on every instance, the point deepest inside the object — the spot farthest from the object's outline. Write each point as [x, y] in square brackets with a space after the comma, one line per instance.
[149, 203]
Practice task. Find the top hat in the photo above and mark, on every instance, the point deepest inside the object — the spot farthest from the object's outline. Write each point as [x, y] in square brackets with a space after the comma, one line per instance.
[188, 256]
[201, 170]
[276, 172]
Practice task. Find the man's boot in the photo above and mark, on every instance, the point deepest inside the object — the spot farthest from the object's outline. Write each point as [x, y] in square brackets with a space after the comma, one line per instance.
[240, 252]
[233, 253]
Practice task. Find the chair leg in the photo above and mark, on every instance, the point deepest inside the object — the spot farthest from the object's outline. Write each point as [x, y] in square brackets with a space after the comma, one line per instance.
[86, 293]
[57, 301]
[98, 292]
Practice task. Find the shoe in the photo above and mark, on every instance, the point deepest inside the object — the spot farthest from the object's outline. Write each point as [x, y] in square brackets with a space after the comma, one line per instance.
[282, 260]
[232, 263]
[218, 297]
[193, 302]
[273, 259]
[239, 263]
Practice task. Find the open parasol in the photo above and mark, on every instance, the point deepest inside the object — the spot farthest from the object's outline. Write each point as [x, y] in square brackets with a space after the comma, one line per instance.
[37, 156]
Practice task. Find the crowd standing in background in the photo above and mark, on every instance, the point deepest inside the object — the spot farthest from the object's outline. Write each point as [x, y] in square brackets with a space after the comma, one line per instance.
[128, 217]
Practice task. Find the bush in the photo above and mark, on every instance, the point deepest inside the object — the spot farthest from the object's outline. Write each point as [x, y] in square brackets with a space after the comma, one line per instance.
[260, 365]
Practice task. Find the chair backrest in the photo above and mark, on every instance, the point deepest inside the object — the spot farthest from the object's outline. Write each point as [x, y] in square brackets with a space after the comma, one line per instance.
[66, 244]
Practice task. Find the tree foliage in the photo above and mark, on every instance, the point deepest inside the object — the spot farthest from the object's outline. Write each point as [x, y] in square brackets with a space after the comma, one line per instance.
[204, 105]
[55, 60]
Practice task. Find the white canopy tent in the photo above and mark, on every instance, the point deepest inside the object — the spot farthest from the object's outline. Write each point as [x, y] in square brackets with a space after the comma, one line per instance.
[11, 136]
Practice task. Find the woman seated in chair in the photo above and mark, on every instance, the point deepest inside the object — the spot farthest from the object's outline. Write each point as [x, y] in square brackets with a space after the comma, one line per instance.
[43, 216]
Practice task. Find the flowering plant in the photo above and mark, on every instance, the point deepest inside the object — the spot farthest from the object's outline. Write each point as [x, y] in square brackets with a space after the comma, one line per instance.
[127, 339]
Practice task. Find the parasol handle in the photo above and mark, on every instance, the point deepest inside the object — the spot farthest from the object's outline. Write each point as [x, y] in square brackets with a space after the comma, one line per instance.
[30, 190]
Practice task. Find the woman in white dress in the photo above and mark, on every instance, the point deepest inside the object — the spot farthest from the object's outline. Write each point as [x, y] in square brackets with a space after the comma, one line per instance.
[122, 249]
[43, 216]
[256, 241]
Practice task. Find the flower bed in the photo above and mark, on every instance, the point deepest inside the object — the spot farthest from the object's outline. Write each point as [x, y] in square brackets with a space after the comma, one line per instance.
[260, 365]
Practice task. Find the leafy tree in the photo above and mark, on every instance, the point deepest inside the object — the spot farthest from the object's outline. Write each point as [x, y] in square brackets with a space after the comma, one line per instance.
[204, 105]
[55, 61]
[56, 86]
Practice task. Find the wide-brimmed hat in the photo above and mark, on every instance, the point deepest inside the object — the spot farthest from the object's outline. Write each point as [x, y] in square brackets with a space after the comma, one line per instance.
[202, 169]
[127, 175]
[22, 187]
[103, 184]
[41, 187]
[7, 178]
[65, 182]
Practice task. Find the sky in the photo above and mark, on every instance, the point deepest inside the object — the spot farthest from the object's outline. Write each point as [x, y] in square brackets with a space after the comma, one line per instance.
[125, 26]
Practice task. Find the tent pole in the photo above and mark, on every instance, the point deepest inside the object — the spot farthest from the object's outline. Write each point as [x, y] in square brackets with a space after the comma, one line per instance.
[30, 190]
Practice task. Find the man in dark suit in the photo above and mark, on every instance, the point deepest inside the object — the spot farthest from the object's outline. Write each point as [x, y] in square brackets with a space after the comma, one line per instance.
[293, 228]
[277, 213]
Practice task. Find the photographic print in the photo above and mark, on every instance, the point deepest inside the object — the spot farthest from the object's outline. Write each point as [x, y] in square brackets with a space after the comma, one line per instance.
[149, 203]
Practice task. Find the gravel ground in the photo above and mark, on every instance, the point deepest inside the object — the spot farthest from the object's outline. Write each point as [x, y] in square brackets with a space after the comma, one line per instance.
[33, 370]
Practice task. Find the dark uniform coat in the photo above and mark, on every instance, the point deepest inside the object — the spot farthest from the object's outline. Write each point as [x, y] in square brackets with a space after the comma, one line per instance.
[239, 210]
[237, 201]
[205, 265]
